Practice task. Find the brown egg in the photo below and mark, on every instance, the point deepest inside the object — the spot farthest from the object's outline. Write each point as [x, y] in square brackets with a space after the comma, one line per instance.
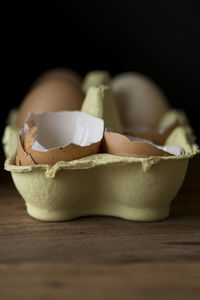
[118, 144]
[59, 73]
[51, 95]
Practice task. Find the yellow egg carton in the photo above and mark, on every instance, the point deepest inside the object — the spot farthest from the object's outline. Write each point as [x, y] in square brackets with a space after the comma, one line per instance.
[132, 188]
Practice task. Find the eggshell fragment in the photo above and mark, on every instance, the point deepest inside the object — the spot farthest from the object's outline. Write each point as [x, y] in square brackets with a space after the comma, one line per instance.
[121, 145]
[23, 158]
[51, 95]
[61, 136]
[142, 103]
[156, 136]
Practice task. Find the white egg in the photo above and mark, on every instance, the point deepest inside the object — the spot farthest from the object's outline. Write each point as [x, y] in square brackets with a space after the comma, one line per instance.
[141, 102]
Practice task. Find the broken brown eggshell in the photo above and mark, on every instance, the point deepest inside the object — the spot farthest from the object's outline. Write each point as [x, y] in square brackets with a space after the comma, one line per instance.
[22, 158]
[118, 144]
[61, 136]
[156, 136]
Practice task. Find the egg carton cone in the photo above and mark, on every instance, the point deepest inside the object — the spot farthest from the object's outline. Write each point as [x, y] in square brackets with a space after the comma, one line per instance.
[132, 188]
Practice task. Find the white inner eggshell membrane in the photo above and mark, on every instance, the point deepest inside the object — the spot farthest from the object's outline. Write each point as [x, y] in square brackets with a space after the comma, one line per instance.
[176, 150]
[59, 129]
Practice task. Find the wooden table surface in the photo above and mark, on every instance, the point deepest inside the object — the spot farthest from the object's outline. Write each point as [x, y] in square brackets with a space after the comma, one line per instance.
[101, 257]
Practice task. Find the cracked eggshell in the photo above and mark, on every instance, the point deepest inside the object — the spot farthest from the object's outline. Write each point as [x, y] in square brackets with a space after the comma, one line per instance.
[63, 136]
[118, 144]
[156, 136]
[54, 94]
[22, 157]
[141, 102]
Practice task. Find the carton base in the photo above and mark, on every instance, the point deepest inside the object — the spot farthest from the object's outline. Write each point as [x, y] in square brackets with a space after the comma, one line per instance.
[124, 191]
[127, 213]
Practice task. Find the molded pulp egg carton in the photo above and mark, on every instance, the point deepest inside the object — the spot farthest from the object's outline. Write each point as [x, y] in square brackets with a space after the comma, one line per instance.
[139, 189]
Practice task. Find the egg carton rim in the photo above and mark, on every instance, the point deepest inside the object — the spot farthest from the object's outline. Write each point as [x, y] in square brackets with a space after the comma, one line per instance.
[93, 161]
[100, 159]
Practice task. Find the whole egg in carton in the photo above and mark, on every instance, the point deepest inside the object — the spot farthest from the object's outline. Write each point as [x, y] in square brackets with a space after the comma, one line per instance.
[139, 175]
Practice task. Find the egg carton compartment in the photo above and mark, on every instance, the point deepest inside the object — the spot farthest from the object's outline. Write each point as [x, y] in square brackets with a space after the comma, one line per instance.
[132, 188]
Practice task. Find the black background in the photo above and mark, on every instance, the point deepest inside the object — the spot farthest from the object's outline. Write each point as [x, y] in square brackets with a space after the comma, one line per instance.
[158, 38]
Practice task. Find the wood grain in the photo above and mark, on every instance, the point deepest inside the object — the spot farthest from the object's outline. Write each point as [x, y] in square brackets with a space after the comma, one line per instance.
[100, 281]
[101, 257]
